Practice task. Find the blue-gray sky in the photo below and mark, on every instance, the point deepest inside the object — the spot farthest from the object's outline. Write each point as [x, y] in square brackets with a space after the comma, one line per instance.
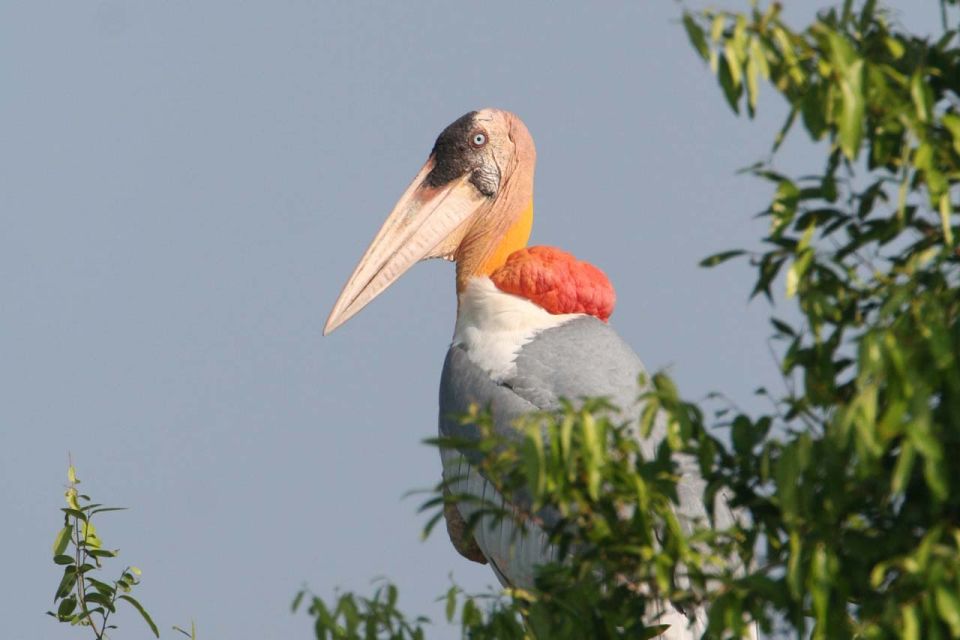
[184, 188]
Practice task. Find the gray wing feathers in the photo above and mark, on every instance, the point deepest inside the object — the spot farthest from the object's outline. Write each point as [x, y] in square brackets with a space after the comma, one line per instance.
[582, 358]
[514, 554]
[464, 383]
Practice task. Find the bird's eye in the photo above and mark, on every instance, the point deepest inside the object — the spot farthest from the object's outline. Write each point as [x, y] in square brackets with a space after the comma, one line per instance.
[478, 139]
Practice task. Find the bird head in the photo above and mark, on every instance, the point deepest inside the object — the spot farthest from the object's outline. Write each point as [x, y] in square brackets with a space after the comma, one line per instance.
[471, 202]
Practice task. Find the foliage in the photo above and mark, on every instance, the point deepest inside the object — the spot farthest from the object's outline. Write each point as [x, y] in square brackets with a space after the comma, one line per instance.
[850, 504]
[615, 513]
[358, 617]
[84, 599]
[852, 494]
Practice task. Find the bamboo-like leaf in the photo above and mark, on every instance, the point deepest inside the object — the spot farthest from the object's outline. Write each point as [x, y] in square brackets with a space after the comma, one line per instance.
[451, 603]
[719, 258]
[948, 606]
[62, 540]
[753, 86]
[297, 599]
[903, 468]
[716, 27]
[591, 442]
[911, 622]
[143, 613]
[731, 88]
[697, 38]
[946, 212]
[922, 96]
[951, 122]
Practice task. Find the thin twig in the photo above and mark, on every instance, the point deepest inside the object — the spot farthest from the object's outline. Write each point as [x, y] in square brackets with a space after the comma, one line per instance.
[81, 590]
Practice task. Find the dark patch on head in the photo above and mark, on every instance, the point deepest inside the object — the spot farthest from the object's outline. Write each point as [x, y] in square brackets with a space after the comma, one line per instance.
[486, 180]
[454, 157]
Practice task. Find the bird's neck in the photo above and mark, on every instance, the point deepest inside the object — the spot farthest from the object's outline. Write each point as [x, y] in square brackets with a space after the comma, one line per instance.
[488, 245]
[505, 225]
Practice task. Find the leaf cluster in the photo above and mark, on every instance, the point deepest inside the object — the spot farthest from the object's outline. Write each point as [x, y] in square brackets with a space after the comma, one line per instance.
[852, 492]
[83, 597]
[358, 617]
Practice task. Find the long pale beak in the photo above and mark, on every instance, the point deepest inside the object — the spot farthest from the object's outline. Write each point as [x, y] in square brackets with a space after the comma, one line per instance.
[427, 222]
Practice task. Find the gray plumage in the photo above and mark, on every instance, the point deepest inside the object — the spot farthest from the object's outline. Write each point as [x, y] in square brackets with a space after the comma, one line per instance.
[581, 358]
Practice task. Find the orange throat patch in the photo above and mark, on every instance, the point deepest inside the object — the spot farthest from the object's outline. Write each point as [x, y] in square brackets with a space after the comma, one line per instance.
[514, 239]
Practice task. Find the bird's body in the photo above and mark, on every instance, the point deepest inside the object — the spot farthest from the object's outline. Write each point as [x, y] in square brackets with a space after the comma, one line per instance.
[507, 357]
[557, 360]
[531, 326]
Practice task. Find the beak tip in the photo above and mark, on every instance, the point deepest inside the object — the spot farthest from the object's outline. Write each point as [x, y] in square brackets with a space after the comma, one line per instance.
[332, 323]
[338, 317]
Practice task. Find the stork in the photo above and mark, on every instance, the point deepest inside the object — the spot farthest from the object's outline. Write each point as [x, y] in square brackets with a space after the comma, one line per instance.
[531, 325]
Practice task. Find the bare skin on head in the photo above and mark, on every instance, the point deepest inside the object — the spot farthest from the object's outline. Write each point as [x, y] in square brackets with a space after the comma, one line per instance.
[472, 202]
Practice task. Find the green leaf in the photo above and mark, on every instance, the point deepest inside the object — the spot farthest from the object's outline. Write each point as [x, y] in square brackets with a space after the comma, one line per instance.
[648, 417]
[716, 27]
[946, 211]
[67, 582]
[795, 566]
[102, 587]
[67, 605]
[718, 258]
[592, 443]
[88, 535]
[732, 54]
[820, 580]
[62, 540]
[143, 612]
[297, 599]
[948, 606]
[451, 606]
[935, 473]
[743, 435]
[852, 110]
[64, 559]
[952, 122]
[911, 622]
[75, 513]
[782, 327]
[101, 599]
[753, 86]
[655, 631]
[696, 36]
[922, 96]
[903, 468]
[732, 88]
[895, 47]
[796, 272]
[106, 509]
[793, 280]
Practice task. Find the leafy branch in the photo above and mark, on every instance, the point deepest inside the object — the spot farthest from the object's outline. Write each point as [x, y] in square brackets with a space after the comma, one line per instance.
[85, 599]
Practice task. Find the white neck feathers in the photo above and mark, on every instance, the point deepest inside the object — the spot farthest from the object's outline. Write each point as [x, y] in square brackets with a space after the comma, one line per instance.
[492, 326]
